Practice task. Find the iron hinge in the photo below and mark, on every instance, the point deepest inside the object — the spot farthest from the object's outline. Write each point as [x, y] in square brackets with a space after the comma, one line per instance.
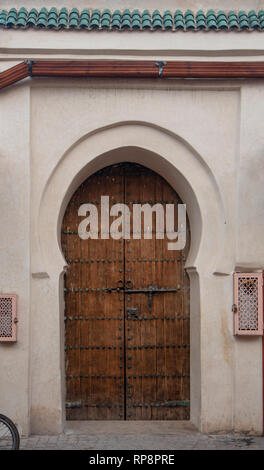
[161, 65]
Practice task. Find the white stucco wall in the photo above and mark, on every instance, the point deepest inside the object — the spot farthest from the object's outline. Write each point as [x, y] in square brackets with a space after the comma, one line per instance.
[15, 249]
[204, 136]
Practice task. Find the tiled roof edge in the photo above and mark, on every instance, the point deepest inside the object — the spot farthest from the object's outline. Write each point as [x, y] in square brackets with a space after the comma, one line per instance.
[131, 20]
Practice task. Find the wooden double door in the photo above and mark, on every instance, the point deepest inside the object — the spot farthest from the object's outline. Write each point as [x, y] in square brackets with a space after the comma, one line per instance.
[127, 345]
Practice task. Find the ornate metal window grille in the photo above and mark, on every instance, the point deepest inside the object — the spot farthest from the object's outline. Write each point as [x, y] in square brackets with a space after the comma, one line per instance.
[248, 304]
[8, 317]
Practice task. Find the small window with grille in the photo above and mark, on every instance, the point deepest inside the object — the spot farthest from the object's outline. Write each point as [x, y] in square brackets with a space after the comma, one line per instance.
[8, 317]
[248, 304]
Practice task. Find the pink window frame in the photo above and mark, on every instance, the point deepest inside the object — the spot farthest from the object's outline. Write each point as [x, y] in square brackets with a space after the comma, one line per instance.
[13, 337]
[259, 331]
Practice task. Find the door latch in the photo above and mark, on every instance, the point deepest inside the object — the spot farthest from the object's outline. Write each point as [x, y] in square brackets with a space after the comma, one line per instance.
[132, 313]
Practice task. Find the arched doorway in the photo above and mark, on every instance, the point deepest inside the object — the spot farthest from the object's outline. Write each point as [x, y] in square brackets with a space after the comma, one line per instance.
[127, 315]
[188, 173]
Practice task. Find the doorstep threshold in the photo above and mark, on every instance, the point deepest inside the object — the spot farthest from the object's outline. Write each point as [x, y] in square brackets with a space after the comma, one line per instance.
[128, 427]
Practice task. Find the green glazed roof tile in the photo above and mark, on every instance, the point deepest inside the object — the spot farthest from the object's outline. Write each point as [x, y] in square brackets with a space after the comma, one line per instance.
[157, 23]
[125, 23]
[200, 17]
[168, 24]
[89, 19]
[31, 21]
[11, 21]
[211, 16]
[105, 15]
[52, 23]
[136, 24]
[116, 23]
[41, 23]
[74, 15]
[62, 23]
[233, 23]
[105, 18]
[95, 23]
[222, 20]
[178, 17]
[21, 21]
[189, 20]
[179, 24]
[146, 23]
[22, 14]
[126, 17]
[53, 15]
[105, 24]
[3, 16]
[200, 23]
[243, 24]
[73, 23]
[12, 14]
[190, 25]
[211, 12]
[136, 17]
[232, 17]
[212, 24]
[222, 24]
[168, 18]
[85, 16]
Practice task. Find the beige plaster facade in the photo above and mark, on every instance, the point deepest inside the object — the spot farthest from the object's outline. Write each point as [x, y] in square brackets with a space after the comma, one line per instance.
[205, 137]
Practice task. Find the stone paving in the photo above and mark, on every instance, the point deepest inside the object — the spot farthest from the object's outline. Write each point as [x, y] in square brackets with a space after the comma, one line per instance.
[139, 436]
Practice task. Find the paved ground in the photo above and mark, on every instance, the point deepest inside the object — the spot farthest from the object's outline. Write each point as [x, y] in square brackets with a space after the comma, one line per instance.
[139, 436]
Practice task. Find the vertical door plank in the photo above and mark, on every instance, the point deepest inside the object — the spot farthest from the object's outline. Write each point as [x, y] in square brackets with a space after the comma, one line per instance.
[158, 340]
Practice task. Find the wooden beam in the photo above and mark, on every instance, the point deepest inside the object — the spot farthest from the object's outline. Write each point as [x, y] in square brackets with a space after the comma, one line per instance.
[94, 68]
[131, 69]
[213, 70]
[13, 75]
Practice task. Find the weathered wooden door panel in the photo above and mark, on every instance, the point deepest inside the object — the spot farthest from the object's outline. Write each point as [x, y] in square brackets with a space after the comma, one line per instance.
[127, 353]
[157, 341]
[94, 316]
